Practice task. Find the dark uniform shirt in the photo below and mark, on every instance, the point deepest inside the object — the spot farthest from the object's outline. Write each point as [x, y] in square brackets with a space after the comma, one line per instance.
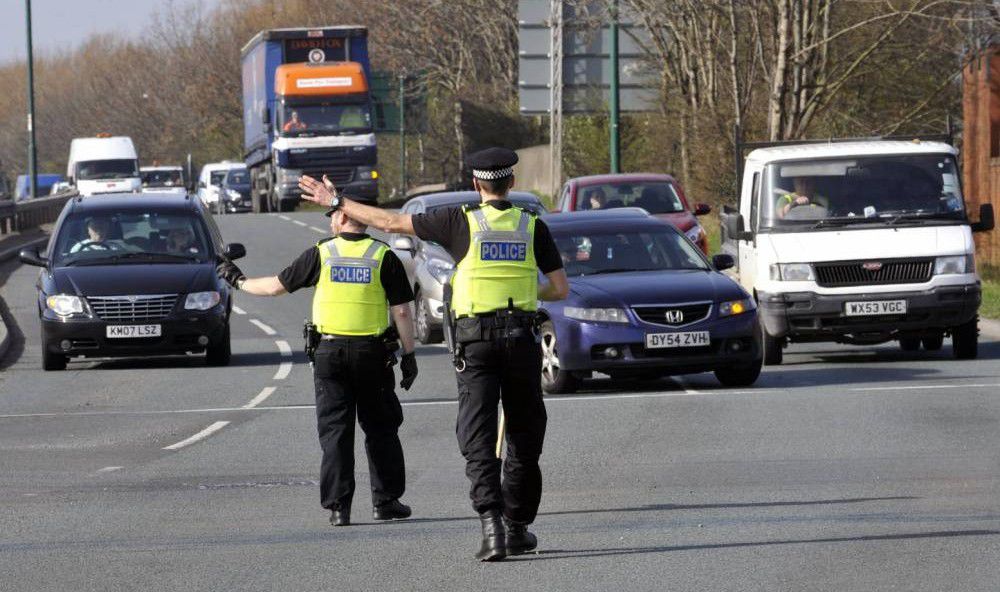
[304, 272]
[449, 227]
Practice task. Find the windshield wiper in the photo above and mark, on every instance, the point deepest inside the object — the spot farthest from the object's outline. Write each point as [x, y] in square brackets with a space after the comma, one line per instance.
[615, 270]
[913, 216]
[133, 257]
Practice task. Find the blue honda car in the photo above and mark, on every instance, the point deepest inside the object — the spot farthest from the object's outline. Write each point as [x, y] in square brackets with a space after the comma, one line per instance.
[644, 302]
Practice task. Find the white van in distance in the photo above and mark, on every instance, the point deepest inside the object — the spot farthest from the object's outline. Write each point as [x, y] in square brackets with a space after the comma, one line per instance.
[857, 242]
[103, 164]
[210, 180]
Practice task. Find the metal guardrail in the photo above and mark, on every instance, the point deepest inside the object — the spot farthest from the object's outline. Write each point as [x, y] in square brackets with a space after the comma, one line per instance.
[32, 213]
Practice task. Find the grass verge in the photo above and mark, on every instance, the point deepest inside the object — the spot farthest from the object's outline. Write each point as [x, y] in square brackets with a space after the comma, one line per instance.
[991, 292]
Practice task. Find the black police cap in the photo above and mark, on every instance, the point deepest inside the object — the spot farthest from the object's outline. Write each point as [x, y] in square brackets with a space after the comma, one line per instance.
[492, 163]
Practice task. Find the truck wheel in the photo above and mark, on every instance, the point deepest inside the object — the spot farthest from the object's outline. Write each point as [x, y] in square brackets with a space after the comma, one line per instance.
[770, 347]
[220, 353]
[965, 340]
[422, 322]
[51, 361]
[284, 205]
[740, 375]
[909, 344]
[934, 342]
[554, 379]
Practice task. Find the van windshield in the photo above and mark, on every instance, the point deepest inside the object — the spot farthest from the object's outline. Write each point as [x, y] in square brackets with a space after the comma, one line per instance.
[129, 237]
[324, 120]
[861, 190]
[89, 170]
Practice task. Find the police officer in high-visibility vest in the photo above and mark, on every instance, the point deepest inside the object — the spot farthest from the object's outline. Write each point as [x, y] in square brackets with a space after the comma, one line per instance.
[499, 250]
[360, 284]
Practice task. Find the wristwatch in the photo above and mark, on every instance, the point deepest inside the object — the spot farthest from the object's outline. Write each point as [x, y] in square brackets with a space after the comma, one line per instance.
[335, 203]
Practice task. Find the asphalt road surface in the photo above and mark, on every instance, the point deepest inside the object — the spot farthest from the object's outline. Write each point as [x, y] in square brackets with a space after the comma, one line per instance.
[844, 469]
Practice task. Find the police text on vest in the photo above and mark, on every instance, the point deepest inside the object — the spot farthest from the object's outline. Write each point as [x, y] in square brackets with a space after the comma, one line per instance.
[348, 274]
[503, 251]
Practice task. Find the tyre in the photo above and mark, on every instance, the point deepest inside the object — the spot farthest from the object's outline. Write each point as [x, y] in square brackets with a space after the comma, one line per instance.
[52, 361]
[909, 344]
[283, 205]
[770, 347]
[965, 340]
[934, 342]
[422, 328]
[220, 353]
[555, 380]
[740, 375]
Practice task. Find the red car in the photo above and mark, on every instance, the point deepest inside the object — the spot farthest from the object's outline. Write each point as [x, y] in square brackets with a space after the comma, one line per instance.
[660, 195]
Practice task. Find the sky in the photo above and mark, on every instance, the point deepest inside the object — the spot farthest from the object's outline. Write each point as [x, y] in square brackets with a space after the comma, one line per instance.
[61, 25]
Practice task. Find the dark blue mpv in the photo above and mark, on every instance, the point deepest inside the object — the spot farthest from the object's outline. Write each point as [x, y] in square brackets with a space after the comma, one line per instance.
[644, 302]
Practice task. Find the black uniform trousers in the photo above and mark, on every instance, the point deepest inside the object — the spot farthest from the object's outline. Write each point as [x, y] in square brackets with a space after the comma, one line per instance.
[353, 380]
[508, 371]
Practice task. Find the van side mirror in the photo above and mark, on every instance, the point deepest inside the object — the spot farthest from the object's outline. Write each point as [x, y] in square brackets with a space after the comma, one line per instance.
[30, 256]
[723, 261]
[735, 227]
[701, 209]
[986, 221]
[265, 117]
[235, 251]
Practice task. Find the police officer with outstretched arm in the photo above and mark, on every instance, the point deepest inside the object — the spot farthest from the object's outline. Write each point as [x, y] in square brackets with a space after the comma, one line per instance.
[499, 250]
[359, 283]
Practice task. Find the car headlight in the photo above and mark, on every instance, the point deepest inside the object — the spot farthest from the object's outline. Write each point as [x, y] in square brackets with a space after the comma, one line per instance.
[694, 233]
[954, 264]
[288, 176]
[440, 269]
[233, 194]
[735, 307]
[792, 272]
[64, 305]
[596, 315]
[365, 173]
[201, 300]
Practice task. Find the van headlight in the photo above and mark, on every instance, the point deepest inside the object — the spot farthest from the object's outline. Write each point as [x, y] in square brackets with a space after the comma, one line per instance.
[365, 173]
[596, 315]
[201, 300]
[64, 305]
[792, 272]
[954, 264]
[736, 307]
[440, 269]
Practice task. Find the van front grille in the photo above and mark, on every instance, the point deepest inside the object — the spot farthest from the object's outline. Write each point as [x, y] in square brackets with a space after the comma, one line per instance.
[133, 308]
[872, 272]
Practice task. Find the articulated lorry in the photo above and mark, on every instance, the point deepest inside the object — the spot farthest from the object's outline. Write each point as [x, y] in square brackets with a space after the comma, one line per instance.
[307, 110]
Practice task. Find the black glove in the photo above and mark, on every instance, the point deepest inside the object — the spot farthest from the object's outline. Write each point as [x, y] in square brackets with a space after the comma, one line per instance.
[228, 271]
[409, 368]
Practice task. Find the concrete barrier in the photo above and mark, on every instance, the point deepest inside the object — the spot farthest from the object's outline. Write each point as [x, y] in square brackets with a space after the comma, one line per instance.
[534, 169]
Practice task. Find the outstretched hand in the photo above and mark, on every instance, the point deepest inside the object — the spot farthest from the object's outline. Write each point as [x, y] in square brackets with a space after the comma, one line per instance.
[317, 192]
[230, 273]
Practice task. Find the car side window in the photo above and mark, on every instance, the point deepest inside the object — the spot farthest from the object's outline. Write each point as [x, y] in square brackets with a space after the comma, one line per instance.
[754, 199]
[213, 230]
[564, 200]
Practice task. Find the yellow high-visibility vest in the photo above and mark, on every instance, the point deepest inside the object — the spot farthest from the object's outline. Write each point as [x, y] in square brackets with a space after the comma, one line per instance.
[349, 297]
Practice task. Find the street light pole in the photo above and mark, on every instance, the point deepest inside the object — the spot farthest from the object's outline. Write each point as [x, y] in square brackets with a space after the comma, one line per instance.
[402, 134]
[32, 164]
[613, 103]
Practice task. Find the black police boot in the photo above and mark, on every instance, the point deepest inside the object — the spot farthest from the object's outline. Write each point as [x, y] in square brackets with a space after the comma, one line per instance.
[341, 516]
[394, 510]
[519, 540]
[494, 547]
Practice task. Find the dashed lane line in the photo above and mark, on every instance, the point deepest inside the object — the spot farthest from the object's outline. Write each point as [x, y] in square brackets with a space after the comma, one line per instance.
[283, 371]
[284, 348]
[108, 470]
[263, 327]
[920, 387]
[284, 217]
[239, 310]
[199, 436]
[300, 223]
[264, 394]
[319, 230]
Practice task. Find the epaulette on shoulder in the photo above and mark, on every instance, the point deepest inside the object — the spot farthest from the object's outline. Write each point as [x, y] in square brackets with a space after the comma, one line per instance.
[471, 207]
[325, 240]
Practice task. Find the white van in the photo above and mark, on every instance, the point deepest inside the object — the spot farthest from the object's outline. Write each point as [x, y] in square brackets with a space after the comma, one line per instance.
[211, 177]
[103, 164]
[163, 179]
[857, 242]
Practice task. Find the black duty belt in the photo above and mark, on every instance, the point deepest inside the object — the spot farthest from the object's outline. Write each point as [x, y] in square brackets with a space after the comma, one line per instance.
[501, 320]
[330, 337]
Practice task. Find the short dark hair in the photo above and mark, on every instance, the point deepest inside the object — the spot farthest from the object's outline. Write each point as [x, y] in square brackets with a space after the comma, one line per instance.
[496, 186]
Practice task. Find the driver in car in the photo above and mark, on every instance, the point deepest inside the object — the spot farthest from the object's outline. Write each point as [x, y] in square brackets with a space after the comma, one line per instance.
[804, 194]
[180, 240]
[98, 230]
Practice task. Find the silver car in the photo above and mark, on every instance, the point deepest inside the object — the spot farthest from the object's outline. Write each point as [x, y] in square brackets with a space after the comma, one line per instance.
[428, 265]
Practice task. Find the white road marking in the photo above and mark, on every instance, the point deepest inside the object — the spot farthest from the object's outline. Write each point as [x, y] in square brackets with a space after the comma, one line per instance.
[319, 230]
[199, 436]
[283, 371]
[284, 348]
[239, 310]
[264, 394]
[922, 387]
[684, 385]
[300, 223]
[284, 217]
[263, 327]
[108, 469]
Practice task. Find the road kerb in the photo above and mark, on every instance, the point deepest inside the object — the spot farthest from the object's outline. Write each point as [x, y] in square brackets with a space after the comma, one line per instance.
[5, 255]
[990, 328]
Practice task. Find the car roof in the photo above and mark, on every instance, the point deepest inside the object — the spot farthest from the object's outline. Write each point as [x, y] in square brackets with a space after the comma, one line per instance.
[620, 177]
[146, 169]
[445, 198]
[848, 149]
[222, 166]
[132, 202]
[613, 219]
